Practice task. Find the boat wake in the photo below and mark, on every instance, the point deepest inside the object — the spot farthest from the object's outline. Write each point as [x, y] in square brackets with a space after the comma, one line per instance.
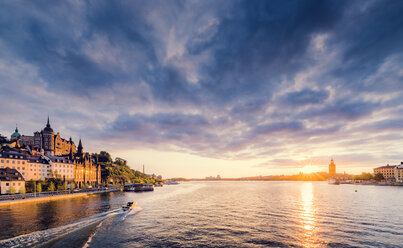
[46, 238]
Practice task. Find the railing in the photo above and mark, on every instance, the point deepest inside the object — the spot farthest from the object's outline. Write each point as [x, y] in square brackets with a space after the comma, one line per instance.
[54, 193]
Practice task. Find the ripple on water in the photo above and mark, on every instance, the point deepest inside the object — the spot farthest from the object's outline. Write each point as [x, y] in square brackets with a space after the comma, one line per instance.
[255, 214]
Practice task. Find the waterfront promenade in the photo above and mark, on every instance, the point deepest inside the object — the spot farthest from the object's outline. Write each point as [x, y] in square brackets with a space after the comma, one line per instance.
[53, 195]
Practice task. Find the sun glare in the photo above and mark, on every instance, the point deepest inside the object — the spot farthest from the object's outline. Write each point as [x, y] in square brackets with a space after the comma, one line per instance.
[309, 169]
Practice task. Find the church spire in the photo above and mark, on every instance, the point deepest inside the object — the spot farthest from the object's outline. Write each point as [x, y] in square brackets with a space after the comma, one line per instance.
[80, 147]
[48, 124]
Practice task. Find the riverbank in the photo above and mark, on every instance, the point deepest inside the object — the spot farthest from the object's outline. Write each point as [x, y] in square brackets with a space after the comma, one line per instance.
[55, 197]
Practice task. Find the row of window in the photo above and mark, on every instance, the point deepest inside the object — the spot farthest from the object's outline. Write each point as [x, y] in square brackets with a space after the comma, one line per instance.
[8, 184]
[12, 161]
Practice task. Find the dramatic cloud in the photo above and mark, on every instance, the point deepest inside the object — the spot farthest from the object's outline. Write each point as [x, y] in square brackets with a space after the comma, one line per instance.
[269, 80]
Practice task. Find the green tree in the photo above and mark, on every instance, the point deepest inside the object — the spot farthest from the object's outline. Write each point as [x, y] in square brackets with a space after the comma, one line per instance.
[39, 188]
[105, 157]
[11, 190]
[379, 176]
[72, 185]
[120, 161]
[51, 186]
[22, 190]
[65, 186]
[30, 186]
[364, 176]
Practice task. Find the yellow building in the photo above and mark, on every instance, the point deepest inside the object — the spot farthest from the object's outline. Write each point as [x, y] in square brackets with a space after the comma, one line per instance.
[388, 171]
[87, 171]
[79, 168]
[11, 178]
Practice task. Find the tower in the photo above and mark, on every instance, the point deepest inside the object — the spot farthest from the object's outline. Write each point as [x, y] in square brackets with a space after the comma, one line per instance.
[332, 168]
[80, 148]
[48, 139]
[16, 135]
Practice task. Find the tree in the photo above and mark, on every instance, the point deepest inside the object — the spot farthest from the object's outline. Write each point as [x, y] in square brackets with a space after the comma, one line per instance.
[22, 190]
[120, 161]
[65, 186]
[11, 190]
[39, 187]
[379, 176]
[104, 157]
[51, 186]
[72, 186]
[30, 186]
[363, 176]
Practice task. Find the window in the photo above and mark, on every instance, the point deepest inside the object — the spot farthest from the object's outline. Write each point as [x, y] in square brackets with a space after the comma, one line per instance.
[7, 184]
[2, 161]
[13, 162]
[23, 162]
[18, 162]
[13, 184]
[7, 161]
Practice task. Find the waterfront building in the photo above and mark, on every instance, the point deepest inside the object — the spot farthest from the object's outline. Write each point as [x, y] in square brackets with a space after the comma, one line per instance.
[87, 170]
[388, 171]
[36, 167]
[80, 167]
[11, 178]
[399, 173]
[332, 168]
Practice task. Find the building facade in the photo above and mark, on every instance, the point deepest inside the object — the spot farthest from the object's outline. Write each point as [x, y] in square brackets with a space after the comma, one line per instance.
[399, 173]
[87, 170]
[52, 144]
[11, 178]
[388, 171]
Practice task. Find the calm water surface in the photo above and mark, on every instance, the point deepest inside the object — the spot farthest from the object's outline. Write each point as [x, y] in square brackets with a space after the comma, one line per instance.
[226, 214]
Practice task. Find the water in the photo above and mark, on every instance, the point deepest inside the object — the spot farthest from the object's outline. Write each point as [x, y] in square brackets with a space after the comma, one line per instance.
[220, 214]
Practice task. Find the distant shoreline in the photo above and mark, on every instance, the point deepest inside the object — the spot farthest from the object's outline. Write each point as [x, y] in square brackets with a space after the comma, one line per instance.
[274, 180]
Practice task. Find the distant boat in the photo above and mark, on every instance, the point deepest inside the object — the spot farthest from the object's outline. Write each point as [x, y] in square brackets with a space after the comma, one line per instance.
[139, 187]
[334, 181]
[171, 183]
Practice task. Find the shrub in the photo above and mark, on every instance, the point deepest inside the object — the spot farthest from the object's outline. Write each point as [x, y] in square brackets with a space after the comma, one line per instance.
[39, 187]
[12, 190]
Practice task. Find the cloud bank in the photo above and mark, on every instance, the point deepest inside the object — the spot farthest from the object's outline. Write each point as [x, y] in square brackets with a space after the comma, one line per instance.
[231, 79]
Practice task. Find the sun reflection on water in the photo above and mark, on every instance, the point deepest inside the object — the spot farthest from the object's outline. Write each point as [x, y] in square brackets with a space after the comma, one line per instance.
[307, 216]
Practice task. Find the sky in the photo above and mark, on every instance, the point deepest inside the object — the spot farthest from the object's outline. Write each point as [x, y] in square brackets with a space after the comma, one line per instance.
[201, 88]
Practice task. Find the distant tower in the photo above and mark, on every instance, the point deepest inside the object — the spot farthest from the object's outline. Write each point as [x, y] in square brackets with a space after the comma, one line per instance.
[143, 170]
[80, 148]
[48, 139]
[16, 135]
[332, 168]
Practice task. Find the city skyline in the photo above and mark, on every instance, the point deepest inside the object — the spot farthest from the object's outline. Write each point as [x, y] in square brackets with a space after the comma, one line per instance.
[201, 88]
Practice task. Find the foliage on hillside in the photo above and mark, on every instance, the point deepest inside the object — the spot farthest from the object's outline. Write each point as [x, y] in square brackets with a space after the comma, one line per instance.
[118, 172]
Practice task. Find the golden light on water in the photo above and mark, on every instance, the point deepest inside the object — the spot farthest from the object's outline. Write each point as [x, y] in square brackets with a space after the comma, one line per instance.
[307, 216]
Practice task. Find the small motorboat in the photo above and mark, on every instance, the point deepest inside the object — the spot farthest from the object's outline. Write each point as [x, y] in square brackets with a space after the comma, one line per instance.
[129, 206]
